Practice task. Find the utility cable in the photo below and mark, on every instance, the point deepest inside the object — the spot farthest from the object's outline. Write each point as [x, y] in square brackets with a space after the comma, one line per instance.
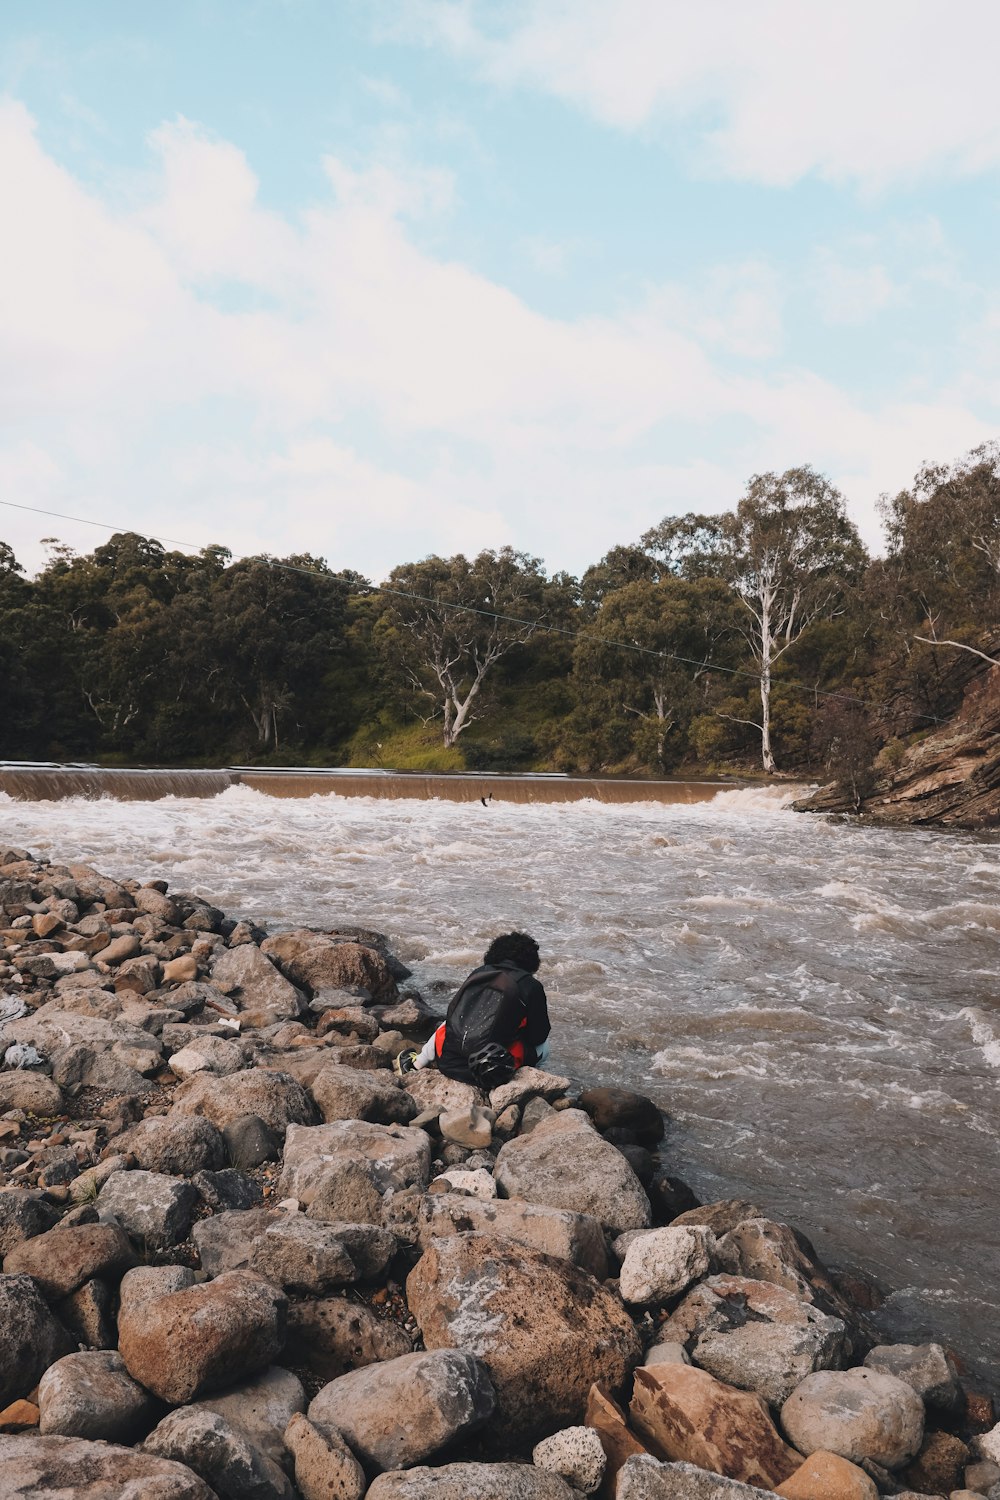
[489, 614]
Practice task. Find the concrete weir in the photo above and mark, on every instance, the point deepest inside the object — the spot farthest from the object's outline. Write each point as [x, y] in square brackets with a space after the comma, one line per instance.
[32, 783]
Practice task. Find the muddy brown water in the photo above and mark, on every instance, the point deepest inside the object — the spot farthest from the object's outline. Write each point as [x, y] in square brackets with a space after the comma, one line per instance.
[814, 1002]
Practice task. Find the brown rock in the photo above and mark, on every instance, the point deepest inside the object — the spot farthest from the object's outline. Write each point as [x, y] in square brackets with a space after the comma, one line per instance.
[18, 1416]
[30, 1337]
[273, 1097]
[179, 970]
[88, 1315]
[545, 1329]
[316, 961]
[204, 1337]
[332, 1336]
[939, 1467]
[609, 1107]
[686, 1415]
[325, 1467]
[63, 1259]
[260, 990]
[66, 1468]
[618, 1441]
[827, 1476]
[32, 1092]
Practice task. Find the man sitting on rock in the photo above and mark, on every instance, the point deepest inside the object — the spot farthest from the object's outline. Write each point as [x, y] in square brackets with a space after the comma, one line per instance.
[496, 1022]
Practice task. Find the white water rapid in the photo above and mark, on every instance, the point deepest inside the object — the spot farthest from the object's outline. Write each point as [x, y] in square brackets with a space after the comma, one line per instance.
[815, 1003]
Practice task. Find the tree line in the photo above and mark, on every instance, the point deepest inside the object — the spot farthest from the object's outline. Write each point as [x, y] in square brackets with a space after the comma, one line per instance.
[766, 635]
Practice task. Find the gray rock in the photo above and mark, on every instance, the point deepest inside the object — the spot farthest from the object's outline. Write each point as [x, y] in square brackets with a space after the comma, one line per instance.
[210, 1054]
[573, 1237]
[275, 1098]
[398, 1157]
[224, 1191]
[471, 1482]
[262, 1407]
[346, 1192]
[32, 1092]
[92, 1395]
[258, 986]
[88, 1315]
[566, 1164]
[149, 1283]
[663, 1263]
[576, 1454]
[325, 1467]
[176, 1145]
[860, 1414]
[150, 1206]
[925, 1367]
[23, 1214]
[528, 1083]
[63, 1468]
[249, 1142]
[535, 1111]
[332, 1336]
[30, 1337]
[472, 1127]
[349, 1094]
[221, 1454]
[223, 1241]
[433, 1090]
[645, 1479]
[394, 1415]
[303, 1256]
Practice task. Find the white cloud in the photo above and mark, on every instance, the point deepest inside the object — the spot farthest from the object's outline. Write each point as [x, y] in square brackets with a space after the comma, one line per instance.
[773, 90]
[201, 367]
[851, 294]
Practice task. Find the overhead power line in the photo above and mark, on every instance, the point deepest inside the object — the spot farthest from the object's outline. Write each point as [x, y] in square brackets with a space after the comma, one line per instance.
[489, 614]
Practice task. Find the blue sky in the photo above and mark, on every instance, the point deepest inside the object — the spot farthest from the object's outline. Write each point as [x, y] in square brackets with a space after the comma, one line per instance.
[392, 277]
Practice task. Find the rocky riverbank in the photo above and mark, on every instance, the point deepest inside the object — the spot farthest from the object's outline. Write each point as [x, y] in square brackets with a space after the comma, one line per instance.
[243, 1259]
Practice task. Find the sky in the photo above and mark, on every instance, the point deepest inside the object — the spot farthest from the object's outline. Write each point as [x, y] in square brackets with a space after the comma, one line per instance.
[375, 279]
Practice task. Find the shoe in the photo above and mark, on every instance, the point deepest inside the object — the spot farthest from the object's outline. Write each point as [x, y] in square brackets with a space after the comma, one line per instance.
[405, 1062]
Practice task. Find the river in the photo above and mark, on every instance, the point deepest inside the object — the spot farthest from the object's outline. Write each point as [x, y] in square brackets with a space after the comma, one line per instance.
[814, 1003]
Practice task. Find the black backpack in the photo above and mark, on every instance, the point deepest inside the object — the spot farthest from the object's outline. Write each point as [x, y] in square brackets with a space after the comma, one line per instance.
[488, 1008]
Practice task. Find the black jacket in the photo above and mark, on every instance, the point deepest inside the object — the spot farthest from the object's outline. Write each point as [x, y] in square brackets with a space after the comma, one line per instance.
[522, 1016]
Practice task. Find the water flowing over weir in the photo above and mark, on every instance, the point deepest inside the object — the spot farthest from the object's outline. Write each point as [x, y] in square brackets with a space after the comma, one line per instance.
[814, 1002]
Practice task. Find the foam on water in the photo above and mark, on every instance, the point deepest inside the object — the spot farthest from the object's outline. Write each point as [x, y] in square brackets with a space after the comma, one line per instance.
[787, 988]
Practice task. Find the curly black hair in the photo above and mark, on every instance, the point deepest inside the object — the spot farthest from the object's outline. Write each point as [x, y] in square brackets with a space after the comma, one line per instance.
[514, 948]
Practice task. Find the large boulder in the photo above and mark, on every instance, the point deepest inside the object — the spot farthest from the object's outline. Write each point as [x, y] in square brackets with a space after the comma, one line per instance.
[31, 1339]
[352, 1094]
[92, 1395]
[303, 1256]
[262, 1407]
[860, 1414]
[528, 1083]
[925, 1367]
[755, 1335]
[434, 1090]
[260, 990]
[471, 1482]
[331, 1336]
[762, 1250]
[620, 1109]
[204, 1337]
[566, 1164]
[150, 1206]
[557, 1231]
[275, 1098]
[65, 1468]
[827, 1476]
[221, 1454]
[225, 1241]
[545, 1329]
[662, 1263]
[398, 1157]
[642, 1478]
[396, 1414]
[688, 1416]
[176, 1145]
[317, 961]
[62, 1259]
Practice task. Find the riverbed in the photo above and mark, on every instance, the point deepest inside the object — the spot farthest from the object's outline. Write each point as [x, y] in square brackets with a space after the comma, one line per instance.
[814, 1002]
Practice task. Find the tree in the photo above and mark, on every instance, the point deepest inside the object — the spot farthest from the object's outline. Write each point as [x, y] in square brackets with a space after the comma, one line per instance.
[448, 621]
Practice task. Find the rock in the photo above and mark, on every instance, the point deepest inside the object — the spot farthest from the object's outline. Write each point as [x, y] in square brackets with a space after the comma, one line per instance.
[250, 1143]
[720, 1217]
[471, 1482]
[987, 1444]
[177, 1145]
[203, 1338]
[85, 1188]
[688, 1416]
[576, 1455]
[63, 1468]
[398, 1157]
[148, 1283]
[670, 1197]
[395, 1414]
[982, 1476]
[262, 1407]
[32, 1092]
[19, 1416]
[476, 1184]
[209, 1054]
[528, 1083]
[23, 1215]
[275, 1098]
[92, 1395]
[226, 1190]
[30, 1337]
[662, 1263]
[325, 1467]
[434, 1090]
[544, 1328]
[618, 1441]
[341, 1015]
[346, 1192]
[263, 994]
[332, 1336]
[669, 1354]
[764, 1251]
[61, 1260]
[611, 1108]
[925, 1367]
[645, 1479]
[940, 1465]
[302, 1256]
[88, 1315]
[221, 1454]
[860, 1414]
[472, 1127]
[566, 1164]
[756, 1335]
[349, 1094]
[150, 1206]
[224, 1241]
[556, 1231]
[827, 1476]
[317, 962]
